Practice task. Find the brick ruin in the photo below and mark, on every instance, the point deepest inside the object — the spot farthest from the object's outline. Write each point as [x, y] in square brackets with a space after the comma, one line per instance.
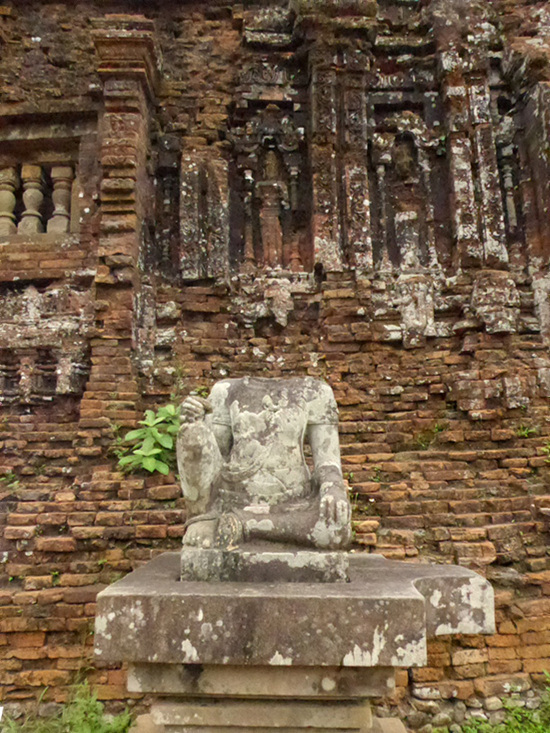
[350, 190]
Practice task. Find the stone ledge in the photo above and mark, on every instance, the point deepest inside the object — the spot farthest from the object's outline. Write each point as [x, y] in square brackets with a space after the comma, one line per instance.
[382, 618]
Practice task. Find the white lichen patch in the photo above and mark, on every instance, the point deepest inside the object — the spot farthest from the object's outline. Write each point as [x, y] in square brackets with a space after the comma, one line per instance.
[278, 660]
[413, 653]
[264, 525]
[435, 598]
[189, 651]
[359, 657]
[328, 684]
[475, 610]
[102, 623]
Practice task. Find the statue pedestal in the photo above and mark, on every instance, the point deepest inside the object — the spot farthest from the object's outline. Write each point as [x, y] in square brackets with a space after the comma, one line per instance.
[242, 656]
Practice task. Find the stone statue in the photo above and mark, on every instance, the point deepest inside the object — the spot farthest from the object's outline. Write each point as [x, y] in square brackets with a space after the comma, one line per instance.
[243, 471]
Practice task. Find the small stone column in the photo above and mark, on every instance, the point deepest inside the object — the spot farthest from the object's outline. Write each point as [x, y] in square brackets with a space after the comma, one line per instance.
[62, 179]
[270, 225]
[33, 196]
[9, 182]
[249, 257]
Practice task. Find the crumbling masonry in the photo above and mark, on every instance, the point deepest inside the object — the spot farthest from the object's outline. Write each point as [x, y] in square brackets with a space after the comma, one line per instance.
[358, 192]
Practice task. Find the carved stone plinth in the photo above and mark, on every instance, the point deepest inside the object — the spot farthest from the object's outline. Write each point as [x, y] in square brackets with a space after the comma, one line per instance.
[257, 656]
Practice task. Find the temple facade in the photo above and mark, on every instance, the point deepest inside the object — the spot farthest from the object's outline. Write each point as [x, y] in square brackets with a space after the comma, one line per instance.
[343, 189]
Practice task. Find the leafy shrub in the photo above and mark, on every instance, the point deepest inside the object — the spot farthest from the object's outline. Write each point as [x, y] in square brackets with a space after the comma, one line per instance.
[518, 720]
[153, 446]
[83, 713]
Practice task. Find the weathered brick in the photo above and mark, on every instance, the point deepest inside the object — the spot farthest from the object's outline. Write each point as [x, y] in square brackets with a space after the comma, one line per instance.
[55, 544]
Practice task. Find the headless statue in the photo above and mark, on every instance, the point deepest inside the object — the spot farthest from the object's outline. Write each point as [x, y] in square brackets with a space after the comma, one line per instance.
[243, 471]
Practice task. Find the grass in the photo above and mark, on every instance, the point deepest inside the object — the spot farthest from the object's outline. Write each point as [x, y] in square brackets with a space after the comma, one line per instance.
[83, 713]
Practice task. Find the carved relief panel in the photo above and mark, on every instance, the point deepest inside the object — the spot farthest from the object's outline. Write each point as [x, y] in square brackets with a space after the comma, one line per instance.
[403, 156]
[43, 342]
[270, 203]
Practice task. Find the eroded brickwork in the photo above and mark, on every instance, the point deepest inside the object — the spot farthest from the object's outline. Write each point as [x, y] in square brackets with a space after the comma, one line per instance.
[354, 191]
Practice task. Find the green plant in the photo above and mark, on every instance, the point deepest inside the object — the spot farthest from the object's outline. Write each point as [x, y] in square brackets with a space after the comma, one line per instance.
[377, 474]
[83, 713]
[10, 480]
[151, 447]
[546, 451]
[425, 438]
[202, 392]
[525, 431]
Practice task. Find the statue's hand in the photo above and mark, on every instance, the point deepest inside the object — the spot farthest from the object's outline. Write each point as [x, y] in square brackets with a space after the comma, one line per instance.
[193, 408]
[335, 507]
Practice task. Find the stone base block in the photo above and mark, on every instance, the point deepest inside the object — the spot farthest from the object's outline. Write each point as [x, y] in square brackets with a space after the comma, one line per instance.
[145, 724]
[381, 618]
[287, 717]
[273, 715]
[278, 656]
[195, 698]
[219, 681]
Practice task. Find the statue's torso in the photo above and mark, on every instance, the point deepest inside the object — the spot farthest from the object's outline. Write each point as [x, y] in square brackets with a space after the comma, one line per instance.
[268, 421]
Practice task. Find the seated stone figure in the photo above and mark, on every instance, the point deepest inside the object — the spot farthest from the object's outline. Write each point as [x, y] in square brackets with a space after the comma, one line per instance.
[243, 470]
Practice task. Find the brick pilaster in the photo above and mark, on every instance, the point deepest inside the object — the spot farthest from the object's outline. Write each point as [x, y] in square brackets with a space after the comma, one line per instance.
[129, 69]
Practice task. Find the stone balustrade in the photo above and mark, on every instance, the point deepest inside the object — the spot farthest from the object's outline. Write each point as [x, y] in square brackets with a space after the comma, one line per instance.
[35, 199]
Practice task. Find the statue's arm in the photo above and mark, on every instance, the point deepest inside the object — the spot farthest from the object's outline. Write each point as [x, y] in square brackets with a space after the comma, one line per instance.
[224, 439]
[325, 450]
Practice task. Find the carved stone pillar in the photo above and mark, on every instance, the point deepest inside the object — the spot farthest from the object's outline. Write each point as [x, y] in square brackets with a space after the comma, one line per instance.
[33, 196]
[249, 258]
[270, 225]
[508, 182]
[9, 182]
[341, 197]
[326, 225]
[62, 179]
[491, 209]
[26, 369]
[469, 248]
[204, 216]
[479, 227]
[356, 181]
[408, 235]
[535, 186]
